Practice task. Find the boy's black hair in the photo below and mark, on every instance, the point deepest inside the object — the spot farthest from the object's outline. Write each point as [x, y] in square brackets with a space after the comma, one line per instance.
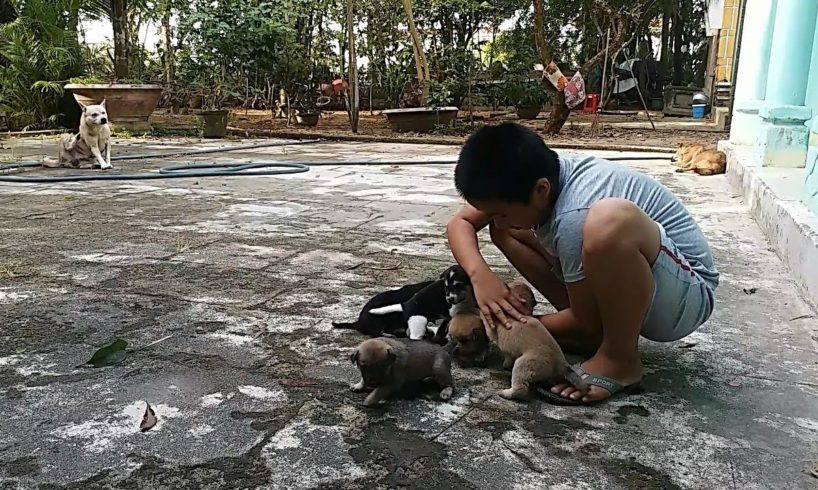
[504, 163]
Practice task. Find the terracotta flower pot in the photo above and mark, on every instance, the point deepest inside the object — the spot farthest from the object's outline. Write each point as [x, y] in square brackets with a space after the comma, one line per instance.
[420, 119]
[129, 106]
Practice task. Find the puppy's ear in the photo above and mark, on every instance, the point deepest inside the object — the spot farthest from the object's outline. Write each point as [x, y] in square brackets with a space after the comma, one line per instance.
[103, 104]
[391, 356]
[353, 358]
[82, 106]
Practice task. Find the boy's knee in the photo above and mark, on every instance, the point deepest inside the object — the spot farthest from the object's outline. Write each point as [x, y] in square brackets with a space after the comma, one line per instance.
[609, 226]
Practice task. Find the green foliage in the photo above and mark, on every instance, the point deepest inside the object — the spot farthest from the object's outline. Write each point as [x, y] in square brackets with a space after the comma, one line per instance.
[522, 92]
[37, 51]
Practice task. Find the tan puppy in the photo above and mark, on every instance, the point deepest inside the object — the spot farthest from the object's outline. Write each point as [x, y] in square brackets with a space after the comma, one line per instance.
[387, 364]
[532, 353]
[468, 341]
[695, 157]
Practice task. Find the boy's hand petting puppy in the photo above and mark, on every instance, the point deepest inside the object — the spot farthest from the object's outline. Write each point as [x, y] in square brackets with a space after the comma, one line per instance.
[496, 301]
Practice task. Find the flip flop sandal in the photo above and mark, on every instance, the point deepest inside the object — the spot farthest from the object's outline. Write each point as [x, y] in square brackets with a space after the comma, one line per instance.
[613, 386]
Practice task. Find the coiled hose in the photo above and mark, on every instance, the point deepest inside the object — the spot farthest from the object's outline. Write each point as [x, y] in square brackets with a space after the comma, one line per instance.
[213, 169]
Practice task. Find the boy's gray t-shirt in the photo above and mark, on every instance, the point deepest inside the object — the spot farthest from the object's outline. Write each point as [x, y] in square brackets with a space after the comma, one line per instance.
[585, 180]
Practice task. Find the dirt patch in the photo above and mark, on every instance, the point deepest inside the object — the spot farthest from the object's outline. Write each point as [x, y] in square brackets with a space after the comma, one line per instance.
[578, 130]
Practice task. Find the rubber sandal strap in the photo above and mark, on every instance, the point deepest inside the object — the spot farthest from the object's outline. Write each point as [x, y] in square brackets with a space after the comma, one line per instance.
[613, 386]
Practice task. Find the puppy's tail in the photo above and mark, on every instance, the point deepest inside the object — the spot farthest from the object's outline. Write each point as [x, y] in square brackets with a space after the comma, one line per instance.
[345, 325]
[385, 310]
[572, 376]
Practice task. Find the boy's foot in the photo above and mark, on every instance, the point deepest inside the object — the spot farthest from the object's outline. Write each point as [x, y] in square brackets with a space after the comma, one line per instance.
[625, 373]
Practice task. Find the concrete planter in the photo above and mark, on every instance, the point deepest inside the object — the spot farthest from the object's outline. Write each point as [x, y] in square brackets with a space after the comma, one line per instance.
[129, 106]
[309, 119]
[214, 123]
[420, 119]
[528, 112]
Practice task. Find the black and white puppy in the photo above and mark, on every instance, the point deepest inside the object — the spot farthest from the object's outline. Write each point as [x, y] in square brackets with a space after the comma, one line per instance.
[389, 324]
[429, 304]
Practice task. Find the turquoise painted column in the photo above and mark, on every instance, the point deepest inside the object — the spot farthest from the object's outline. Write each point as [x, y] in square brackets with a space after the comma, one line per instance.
[782, 137]
[753, 65]
[811, 179]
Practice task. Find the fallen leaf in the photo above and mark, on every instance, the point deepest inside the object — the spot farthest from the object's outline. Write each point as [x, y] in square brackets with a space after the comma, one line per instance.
[149, 419]
[21, 349]
[750, 290]
[734, 384]
[109, 355]
[687, 345]
[814, 470]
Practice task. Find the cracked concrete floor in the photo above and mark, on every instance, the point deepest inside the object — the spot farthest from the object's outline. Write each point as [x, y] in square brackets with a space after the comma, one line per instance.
[251, 389]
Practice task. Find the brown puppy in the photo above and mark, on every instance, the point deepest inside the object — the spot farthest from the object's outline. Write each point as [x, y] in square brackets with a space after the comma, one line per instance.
[695, 157]
[532, 353]
[468, 342]
[387, 364]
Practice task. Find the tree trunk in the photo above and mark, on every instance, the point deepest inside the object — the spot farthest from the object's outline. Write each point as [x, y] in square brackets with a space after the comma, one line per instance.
[119, 20]
[678, 56]
[421, 64]
[7, 12]
[167, 40]
[560, 111]
[353, 70]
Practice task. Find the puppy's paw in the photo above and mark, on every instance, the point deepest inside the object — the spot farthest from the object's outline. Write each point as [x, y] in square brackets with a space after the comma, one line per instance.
[107, 166]
[358, 387]
[516, 395]
[446, 393]
[371, 402]
[507, 394]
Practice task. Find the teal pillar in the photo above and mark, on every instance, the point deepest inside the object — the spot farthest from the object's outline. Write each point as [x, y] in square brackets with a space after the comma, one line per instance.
[783, 136]
[753, 65]
[811, 179]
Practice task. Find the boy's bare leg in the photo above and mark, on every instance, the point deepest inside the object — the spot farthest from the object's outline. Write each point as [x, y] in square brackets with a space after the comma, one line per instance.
[525, 253]
[620, 242]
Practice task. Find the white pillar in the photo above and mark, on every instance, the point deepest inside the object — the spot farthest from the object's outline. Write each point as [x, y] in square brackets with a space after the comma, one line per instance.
[782, 137]
[753, 65]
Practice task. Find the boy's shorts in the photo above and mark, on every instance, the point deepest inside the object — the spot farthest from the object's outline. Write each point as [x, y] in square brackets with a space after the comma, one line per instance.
[682, 300]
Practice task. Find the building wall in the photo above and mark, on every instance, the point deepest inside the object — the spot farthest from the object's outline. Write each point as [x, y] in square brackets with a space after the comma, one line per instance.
[727, 41]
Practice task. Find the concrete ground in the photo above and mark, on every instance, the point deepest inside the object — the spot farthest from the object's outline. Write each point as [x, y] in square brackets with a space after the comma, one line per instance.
[252, 386]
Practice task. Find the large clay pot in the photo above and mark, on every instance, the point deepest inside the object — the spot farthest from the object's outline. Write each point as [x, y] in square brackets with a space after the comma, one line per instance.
[129, 106]
[214, 123]
[528, 112]
[420, 119]
[309, 119]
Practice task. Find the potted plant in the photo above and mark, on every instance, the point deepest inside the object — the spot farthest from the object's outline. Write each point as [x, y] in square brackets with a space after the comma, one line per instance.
[307, 112]
[437, 112]
[130, 103]
[527, 96]
[214, 95]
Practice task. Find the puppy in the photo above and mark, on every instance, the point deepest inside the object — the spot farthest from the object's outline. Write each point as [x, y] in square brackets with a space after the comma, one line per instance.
[468, 342]
[85, 149]
[532, 353]
[695, 157]
[391, 323]
[388, 364]
[426, 306]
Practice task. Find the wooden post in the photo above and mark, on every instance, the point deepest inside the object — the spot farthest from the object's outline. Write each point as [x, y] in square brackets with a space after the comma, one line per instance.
[353, 96]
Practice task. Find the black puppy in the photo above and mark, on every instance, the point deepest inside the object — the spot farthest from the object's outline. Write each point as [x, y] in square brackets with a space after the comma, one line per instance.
[392, 323]
[427, 305]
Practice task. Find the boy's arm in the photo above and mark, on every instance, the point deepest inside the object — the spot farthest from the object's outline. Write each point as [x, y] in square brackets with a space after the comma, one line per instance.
[493, 296]
[462, 233]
